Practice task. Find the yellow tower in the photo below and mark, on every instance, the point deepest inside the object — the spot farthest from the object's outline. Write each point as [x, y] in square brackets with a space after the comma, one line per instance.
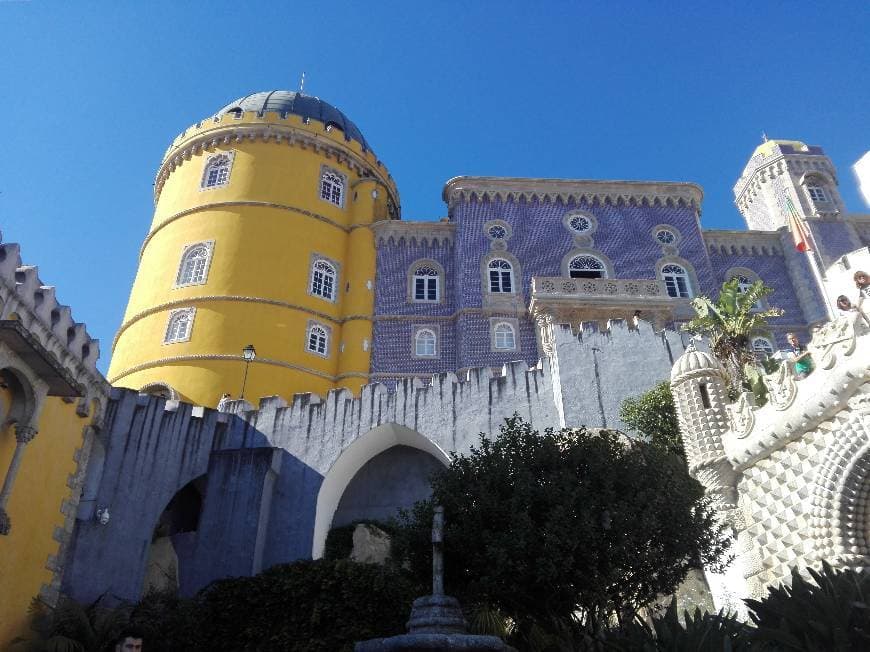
[261, 235]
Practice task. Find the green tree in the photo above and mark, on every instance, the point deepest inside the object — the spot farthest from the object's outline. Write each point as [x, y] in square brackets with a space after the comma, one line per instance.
[568, 527]
[653, 414]
[729, 322]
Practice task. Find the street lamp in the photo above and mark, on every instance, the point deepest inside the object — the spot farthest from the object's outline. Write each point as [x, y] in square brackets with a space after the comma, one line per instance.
[248, 353]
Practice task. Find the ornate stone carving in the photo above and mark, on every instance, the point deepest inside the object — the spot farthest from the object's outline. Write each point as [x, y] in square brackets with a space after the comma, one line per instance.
[742, 416]
[24, 434]
[831, 340]
[781, 387]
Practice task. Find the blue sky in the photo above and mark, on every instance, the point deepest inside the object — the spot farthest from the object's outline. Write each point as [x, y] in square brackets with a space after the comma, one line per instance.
[92, 93]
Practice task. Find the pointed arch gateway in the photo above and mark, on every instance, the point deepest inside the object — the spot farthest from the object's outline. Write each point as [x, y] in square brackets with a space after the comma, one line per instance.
[346, 469]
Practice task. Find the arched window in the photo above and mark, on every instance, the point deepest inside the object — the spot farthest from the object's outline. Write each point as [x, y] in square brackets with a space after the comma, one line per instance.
[179, 326]
[323, 280]
[505, 338]
[318, 340]
[501, 275]
[217, 171]
[676, 281]
[586, 267]
[762, 347]
[425, 343]
[332, 187]
[194, 265]
[426, 284]
[743, 284]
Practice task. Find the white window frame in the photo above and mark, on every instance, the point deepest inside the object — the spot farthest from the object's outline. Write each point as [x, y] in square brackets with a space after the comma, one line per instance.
[672, 278]
[323, 279]
[603, 269]
[426, 283]
[763, 349]
[332, 187]
[223, 160]
[175, 316]
[323, 333]
[186, 253]
[433, 340]
[744, 282]
[499, 274]
[499, 327]
[817, 192]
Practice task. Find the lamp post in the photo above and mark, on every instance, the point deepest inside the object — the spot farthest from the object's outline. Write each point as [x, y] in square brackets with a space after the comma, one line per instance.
[248, 353]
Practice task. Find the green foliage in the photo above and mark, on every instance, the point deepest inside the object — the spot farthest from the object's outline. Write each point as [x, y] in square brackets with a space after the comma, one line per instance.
[653, 414]
[700, 632]
[73, 627]
[307, 605]
[167, 622]
[831, 612]
[572, 527]
[729, 322]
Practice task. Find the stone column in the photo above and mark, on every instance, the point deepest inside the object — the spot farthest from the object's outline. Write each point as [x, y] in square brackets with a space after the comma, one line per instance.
[23, 436]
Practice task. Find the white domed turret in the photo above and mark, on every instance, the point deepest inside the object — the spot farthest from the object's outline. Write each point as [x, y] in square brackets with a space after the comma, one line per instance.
[698, 383]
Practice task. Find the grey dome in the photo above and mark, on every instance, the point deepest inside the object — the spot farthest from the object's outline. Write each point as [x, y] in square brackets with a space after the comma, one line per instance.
[305, 106]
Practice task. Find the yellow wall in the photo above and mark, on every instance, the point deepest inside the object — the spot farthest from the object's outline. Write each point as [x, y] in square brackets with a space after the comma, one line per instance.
[34, 508]
[265, 224]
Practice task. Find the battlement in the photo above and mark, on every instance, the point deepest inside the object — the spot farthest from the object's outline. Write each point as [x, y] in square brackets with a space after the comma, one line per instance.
[279, 128]
[841, 355]
[743, 243]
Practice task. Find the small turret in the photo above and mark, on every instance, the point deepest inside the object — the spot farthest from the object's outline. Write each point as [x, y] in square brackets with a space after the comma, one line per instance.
[698, 384]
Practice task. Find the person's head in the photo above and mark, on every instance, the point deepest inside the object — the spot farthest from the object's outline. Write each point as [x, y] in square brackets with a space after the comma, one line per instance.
[843, 303]
[792, 339]
[862, 279]
[129, 640]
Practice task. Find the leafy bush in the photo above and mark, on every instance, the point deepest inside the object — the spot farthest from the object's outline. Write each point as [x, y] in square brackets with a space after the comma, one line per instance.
[653, 414]
[73, 627]
[307, 605]
[571, 526]
[831, 612]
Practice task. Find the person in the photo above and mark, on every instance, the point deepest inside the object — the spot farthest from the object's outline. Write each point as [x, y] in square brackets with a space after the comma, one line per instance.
[801, 360]
[222, 404]
[129, 640]
[844, 304]
[862, 282]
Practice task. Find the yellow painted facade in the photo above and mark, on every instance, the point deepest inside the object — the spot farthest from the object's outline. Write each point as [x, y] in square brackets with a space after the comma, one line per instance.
[35, 508]
[266, 226]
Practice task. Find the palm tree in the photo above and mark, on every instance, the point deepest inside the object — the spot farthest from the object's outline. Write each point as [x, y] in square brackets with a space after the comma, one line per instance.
[729, 322]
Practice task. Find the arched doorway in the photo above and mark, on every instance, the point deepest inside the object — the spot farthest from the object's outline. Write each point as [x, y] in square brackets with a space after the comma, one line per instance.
[381, 471]
[173, 538]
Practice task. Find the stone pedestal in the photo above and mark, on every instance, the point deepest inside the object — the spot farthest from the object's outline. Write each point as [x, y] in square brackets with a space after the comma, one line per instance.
[436, 623]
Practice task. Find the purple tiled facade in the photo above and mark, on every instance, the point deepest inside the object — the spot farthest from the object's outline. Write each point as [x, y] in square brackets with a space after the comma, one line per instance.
[623, 217]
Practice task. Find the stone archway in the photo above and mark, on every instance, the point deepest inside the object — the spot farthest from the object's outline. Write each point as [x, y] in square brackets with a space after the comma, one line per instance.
[373, 456]
[174, 537]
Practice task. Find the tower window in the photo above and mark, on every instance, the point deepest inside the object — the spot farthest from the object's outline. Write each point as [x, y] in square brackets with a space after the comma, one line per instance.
[705, 395]
[332, 186]
[323, 280]
[180, 325]
[425, 343]
[501, 276]
[505, 338]
[665, 236]
[817, 193]
[318, 340]
[586, 267]
[426, 284]
[193, 269]
[217, 171]
[676, 281]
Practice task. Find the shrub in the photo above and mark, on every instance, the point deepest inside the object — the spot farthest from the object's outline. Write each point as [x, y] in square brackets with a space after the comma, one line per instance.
[307, 605]
[831, 612]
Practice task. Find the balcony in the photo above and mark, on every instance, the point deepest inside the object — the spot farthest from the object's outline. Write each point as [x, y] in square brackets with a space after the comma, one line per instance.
[576, 300]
